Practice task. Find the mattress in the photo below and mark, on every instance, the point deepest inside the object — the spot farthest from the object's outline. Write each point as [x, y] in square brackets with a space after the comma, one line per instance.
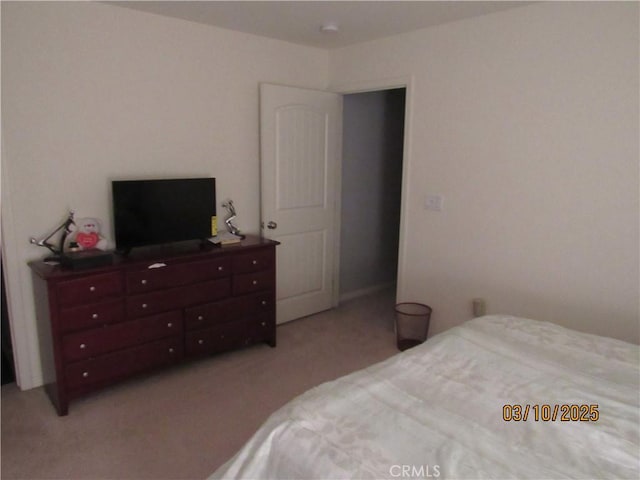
[497, 397]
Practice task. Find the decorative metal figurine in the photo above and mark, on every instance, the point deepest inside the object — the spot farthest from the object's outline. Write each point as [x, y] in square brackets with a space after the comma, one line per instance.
[228, 204]
[44, 242]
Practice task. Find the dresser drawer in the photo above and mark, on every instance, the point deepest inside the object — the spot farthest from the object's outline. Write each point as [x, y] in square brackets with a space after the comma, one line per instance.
[253, 282]
[148, 280]
[173, 298]
[206, 292]
[263, 302]
[99, 341]
[195, 272]
[149, 303]
[89, 289]
[261, 328]
[212, 314]
[86, 316]
[103, 369]
[229, 336]
[253, 261]
[216, 339]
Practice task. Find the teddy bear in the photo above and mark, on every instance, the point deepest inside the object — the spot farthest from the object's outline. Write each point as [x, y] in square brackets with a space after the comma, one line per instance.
[87, 235]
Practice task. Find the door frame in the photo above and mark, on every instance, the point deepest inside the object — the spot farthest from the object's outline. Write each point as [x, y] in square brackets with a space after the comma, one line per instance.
[388, 83]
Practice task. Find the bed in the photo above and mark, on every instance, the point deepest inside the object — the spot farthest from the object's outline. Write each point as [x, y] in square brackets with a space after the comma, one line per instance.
[497, 397]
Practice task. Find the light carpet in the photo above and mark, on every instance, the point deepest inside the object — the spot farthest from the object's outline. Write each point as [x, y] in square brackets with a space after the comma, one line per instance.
[186, 421]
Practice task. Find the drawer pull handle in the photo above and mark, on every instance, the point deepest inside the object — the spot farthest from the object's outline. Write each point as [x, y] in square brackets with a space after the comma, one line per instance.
[254, 282]
[157, 265]
[92, 288]
[200, 317]
[200, 342]
[220, 268]
[264, 302]
[169, 324]
[94, 316]
[222, 337]
[254, 262]
[82, 346]
[171, 350]
[144, 305]
[85, 374]
[264, 324]
[143, 281]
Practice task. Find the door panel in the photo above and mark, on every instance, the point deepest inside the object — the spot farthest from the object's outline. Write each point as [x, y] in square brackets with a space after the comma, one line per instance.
[301, 157]
[304, 262]
[300, 149]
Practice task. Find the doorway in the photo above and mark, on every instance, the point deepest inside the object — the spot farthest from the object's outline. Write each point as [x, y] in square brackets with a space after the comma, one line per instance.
[298, 123]
[372, 164]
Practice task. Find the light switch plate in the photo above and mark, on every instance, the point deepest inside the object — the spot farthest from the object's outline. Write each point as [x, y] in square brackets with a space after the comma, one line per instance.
[434, 202]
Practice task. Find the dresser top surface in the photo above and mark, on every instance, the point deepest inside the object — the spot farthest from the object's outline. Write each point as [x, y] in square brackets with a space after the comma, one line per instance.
[182, 252]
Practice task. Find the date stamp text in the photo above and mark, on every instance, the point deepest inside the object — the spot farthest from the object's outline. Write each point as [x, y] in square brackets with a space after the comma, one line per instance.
[550, 413]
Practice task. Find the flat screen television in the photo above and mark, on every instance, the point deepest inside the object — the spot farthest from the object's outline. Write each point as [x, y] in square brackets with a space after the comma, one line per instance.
[153, 212]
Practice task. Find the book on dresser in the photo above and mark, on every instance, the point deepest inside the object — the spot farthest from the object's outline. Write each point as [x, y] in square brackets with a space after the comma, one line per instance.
[149, 311]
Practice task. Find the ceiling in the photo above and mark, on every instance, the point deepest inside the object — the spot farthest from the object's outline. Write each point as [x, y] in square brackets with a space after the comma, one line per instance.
[300, 22]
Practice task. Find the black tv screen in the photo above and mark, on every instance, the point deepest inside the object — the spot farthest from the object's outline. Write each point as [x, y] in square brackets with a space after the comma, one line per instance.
[152, 212]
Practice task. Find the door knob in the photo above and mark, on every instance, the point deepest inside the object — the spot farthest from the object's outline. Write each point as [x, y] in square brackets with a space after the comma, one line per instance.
[272, 225]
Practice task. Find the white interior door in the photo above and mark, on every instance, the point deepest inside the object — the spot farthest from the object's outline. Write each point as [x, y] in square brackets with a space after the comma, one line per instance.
[300, 135]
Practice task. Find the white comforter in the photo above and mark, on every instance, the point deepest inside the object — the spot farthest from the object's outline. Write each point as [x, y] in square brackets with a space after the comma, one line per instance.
[436, 411]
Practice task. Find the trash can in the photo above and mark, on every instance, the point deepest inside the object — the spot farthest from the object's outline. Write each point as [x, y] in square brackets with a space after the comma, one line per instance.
[412, 324]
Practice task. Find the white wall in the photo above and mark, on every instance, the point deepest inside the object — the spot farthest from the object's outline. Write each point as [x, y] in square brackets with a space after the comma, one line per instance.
[92, 92]
[526, 121]
[371, 186]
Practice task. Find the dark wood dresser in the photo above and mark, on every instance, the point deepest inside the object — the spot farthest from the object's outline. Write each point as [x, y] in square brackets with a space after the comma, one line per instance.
[150, 310]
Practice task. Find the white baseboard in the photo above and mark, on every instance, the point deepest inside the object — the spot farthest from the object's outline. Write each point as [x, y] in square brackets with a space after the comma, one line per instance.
[365, 291]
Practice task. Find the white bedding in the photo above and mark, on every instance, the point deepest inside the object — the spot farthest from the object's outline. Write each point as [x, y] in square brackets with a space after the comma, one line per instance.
[436, 411]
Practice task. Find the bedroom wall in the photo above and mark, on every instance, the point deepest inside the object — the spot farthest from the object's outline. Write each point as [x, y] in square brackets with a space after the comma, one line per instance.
[92, 92]
[526, 122]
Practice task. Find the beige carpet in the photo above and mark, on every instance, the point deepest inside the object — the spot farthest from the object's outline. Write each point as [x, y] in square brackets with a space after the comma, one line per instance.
[185, 422]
